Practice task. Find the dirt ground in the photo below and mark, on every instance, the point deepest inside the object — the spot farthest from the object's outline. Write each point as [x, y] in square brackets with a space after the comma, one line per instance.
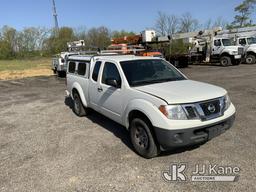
[22, 68]
[8, 75]
[44, 146]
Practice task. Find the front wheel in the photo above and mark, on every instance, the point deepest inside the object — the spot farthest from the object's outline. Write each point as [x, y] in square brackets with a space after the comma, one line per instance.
[250, 59]
[142, 138]
[225, 61]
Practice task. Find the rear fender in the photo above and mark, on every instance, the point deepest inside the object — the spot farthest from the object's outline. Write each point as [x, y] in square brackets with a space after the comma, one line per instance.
[79, 89]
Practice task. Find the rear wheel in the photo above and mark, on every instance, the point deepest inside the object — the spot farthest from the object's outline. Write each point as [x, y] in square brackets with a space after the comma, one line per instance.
[225, 61]
[142, 138]
[79, 108]
[61, 73]
[250, 59]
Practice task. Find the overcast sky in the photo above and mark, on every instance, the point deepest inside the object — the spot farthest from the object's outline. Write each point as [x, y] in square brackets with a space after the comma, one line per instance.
[132, 15]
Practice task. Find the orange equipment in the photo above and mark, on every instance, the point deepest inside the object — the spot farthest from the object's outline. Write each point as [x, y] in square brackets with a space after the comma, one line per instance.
[127, 43]
[133, 39]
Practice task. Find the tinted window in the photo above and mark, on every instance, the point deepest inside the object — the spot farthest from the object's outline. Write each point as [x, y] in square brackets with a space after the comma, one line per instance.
[242, 41]
[251, 40]
[217, 43]
[81, 69]
[142, 72]
[111, 72]
[72, 67]
[228, 42]
[96, 70]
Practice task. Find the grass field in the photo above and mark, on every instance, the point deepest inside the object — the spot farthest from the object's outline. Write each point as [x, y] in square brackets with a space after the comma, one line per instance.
[16, 65]
[15, 69]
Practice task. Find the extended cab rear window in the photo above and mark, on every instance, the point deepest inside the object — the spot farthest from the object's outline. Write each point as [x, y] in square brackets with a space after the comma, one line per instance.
[72, 67]
[81, 70]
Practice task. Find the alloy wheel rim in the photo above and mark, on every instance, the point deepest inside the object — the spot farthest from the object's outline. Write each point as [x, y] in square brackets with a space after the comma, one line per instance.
[141, 137]
[249, 60]
[224, 62]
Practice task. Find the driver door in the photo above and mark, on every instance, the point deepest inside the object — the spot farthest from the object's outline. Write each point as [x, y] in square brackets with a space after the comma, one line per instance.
[110, 99]
[216, 50]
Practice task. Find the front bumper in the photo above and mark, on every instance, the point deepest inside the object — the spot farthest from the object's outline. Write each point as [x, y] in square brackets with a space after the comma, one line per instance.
[238, 56]
[169, 139]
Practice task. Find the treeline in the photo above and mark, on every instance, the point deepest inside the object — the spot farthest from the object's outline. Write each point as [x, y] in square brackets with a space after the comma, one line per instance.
[39, 41]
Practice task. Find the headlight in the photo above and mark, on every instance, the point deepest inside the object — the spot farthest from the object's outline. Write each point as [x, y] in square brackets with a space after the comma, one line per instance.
[234, 52]
[174, 112]
[227, 102]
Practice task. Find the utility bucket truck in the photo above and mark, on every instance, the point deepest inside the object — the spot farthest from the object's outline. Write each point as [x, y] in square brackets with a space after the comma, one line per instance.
[245, 37]
[200, 47]
[59, 61]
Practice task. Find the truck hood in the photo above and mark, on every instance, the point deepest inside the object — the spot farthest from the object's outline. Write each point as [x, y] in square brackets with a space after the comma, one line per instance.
[182, 92]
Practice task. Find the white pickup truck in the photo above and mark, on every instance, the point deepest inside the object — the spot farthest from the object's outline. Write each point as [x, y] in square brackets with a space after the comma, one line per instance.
[59, 63]
[160, 106]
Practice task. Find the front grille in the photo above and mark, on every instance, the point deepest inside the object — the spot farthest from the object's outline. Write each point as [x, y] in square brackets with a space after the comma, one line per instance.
[240, 50]
[205, 110]
[211, 107]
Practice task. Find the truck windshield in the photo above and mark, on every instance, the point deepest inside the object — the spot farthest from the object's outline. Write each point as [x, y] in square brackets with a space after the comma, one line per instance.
[149, 71]
[228, 42]
[251, 40]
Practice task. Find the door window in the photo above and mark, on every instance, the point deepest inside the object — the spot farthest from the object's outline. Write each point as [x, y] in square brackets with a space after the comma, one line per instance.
[110, 72]
[242, 41]
[217, 43]
[96, 70]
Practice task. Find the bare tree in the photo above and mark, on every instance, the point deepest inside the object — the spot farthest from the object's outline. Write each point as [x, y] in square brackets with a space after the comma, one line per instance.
[161, 23]
[208, 24]
[187, 23]
[220, 22]
[80, 32]
[172, 24]
[166, 24]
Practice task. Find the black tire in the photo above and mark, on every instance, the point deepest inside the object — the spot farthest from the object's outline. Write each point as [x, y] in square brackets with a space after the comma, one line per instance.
[236, 61]
[58, 74]
[61, 73]
[250, 59]
[225, 61]
[78, 107]
[143, 139]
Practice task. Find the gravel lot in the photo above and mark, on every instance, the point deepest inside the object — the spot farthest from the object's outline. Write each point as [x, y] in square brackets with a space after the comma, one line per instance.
[45, 147]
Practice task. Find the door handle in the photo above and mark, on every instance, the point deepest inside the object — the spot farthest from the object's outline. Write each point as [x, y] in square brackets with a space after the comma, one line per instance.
[100, 89]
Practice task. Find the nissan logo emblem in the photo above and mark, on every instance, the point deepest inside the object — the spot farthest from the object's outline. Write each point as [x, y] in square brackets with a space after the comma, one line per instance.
[211, 108]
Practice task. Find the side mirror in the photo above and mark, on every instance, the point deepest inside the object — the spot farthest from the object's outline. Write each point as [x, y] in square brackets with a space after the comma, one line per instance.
[112, 82]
